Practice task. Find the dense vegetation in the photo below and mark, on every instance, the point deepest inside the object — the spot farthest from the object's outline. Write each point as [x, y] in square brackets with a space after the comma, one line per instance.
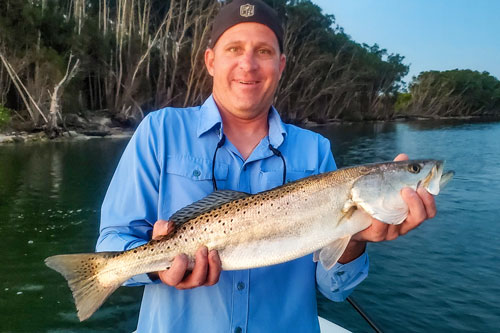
[454, 93]
[127, 57]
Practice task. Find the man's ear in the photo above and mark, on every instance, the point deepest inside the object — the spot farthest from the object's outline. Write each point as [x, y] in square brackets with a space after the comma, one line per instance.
[282, 63]
[209, 60]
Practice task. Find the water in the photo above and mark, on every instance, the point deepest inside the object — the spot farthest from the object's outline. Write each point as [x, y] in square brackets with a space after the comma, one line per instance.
[441, 277]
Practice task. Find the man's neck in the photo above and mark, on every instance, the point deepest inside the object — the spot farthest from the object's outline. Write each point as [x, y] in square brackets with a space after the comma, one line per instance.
[245, 134]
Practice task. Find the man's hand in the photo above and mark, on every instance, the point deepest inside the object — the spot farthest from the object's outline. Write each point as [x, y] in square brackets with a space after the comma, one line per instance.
[421, 206]
[206, 269]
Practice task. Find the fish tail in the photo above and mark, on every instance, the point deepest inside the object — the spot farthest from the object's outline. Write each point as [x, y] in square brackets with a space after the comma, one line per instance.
[89, 277]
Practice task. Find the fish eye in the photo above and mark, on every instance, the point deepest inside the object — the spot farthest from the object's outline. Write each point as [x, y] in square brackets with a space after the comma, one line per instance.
[414, 168]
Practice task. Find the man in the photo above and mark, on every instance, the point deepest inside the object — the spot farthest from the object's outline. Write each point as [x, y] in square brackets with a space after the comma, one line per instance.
[237, 137]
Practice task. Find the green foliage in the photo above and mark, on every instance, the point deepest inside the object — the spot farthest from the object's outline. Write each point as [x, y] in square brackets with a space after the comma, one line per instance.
[402, 101]
[455, 93]
[328, 75]
[4, 116]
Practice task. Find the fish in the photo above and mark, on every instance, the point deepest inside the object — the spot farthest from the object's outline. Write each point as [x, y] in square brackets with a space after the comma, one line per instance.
[317, 214]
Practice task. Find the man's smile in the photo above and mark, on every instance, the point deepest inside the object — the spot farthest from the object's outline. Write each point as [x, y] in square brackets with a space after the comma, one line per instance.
[247, 82]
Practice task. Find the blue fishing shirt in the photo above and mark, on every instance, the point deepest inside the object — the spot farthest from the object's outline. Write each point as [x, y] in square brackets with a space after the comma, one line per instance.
[167, 165]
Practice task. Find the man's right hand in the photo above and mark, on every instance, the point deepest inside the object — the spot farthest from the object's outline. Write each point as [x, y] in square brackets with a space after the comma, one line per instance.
[207, 267]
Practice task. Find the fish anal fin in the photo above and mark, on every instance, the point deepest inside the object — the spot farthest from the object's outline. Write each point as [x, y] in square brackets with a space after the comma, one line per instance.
[330, 254]
[316, 256]
[211, 201]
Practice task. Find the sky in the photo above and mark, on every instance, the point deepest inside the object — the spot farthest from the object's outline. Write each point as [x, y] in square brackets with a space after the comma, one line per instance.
[430, 34]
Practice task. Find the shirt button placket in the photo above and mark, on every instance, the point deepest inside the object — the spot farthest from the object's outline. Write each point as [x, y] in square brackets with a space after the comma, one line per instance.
[240, 301]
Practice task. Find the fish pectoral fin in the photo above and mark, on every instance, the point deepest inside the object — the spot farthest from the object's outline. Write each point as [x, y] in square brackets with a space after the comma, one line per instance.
[348, 209]
[330, 254]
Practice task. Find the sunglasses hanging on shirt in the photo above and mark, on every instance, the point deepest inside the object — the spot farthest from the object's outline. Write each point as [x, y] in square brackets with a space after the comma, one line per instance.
[275, 151]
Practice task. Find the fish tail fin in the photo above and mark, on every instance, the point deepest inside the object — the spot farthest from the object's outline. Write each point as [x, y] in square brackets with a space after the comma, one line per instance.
[88, 279]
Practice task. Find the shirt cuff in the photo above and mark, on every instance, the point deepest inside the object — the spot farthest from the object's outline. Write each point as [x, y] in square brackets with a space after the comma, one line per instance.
[339, 282]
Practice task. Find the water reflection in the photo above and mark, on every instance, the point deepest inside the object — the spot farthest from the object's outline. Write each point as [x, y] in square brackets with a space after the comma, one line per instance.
[442, 277]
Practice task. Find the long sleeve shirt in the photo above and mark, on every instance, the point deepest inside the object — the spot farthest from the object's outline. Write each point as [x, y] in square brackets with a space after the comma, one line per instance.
[168, 165]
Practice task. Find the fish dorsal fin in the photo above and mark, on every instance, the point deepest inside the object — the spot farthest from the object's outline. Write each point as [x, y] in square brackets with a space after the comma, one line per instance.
[330, 254]
[211, 201]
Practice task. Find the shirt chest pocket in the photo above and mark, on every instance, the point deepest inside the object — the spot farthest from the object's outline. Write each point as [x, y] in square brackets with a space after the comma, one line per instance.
[272, 179]
[197, 171]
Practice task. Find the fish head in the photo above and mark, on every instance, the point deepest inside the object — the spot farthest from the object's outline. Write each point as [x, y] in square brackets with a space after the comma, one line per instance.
[378, 190]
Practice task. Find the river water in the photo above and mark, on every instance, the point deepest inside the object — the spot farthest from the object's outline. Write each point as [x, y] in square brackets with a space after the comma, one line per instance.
[442, 277]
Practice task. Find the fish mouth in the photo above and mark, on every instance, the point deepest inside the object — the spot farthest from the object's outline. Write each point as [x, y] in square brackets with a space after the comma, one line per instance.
[432, 181]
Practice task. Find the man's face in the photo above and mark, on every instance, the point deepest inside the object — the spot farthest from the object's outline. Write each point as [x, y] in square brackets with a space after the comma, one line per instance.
[246, 65]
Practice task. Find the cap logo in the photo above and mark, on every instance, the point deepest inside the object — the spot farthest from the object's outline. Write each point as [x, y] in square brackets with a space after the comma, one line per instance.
[247, 10]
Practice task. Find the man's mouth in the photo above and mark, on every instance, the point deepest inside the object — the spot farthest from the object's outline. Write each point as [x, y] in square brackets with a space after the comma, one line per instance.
[248, 82]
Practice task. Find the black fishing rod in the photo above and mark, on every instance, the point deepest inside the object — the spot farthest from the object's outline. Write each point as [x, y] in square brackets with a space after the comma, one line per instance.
[365, 316]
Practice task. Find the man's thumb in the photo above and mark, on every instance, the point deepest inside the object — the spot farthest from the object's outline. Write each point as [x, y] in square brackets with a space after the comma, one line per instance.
[162, 228]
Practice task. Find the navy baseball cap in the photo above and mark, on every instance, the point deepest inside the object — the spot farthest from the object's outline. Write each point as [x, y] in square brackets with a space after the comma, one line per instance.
[240, 11]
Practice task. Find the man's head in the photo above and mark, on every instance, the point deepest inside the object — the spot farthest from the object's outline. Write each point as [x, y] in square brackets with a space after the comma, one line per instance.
[245, 58]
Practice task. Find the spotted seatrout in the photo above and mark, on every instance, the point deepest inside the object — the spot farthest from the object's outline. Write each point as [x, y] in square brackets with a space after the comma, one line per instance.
[316, 214]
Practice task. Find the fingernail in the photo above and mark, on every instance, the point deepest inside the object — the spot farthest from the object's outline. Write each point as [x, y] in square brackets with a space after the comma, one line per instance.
[204, 251]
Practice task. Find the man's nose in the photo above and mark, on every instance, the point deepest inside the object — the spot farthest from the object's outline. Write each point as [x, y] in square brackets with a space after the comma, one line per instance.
[248, 61]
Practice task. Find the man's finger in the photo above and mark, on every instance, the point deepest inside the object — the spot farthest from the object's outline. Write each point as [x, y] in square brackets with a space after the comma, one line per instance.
[214, 268]
[416, 210]
[174, 275]
[393, 232]
[198, 276]
[162, 228]
[429, 202]
[401, 157]
[377, 232]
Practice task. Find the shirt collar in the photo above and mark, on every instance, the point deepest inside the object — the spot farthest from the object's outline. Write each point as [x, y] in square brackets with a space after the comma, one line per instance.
[210, 118]
[277, 131]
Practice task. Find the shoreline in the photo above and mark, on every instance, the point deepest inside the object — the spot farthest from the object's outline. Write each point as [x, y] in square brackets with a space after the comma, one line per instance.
[18, 137]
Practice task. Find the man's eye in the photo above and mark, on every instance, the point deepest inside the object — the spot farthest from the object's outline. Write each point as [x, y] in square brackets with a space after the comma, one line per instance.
[233, 49]
[264, 51]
